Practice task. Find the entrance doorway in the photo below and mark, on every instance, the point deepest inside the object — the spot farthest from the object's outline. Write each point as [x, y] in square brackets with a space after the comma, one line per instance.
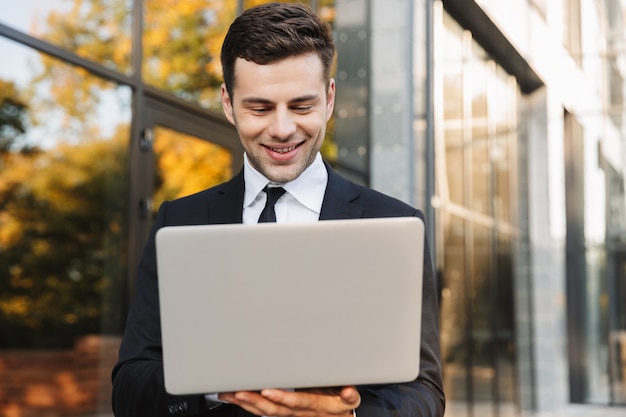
[177, 149]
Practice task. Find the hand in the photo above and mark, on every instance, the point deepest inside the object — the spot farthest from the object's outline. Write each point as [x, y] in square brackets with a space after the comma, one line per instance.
[330, 402]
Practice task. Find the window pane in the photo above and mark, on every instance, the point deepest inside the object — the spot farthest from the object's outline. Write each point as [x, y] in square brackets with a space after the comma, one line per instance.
[454, 184]
[478, 75]
[482, 342]
[481, 176]
[96, 30]
[453, 88]
[63, 223]
[479, 110]
[596, 335]
[452, 70]
[618, 332]
[502, 163]
[181, 47]
[454, 309]
[571, 29]
[186, 164]
[505, 325]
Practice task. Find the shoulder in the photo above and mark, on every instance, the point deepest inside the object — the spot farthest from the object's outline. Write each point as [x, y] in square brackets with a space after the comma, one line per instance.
[198, 208]
[200, 197]
[379, 204]
[372, 203]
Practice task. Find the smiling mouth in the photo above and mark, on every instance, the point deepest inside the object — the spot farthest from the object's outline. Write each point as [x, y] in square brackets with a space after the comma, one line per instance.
[283, 150]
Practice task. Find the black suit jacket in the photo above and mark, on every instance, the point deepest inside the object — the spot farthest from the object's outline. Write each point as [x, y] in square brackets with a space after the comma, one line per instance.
[138, 388]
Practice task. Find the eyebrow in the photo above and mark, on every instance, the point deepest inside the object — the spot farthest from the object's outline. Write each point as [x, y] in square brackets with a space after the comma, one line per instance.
[259, 100]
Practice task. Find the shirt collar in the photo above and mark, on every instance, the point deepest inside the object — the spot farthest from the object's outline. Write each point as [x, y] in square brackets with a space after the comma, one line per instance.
[308, 188]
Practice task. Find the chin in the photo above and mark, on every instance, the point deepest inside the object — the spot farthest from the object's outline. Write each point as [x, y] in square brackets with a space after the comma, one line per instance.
[282, 176]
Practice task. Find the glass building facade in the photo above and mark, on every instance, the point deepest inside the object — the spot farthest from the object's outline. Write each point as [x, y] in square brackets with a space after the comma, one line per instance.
[502, 121]
[477, 222]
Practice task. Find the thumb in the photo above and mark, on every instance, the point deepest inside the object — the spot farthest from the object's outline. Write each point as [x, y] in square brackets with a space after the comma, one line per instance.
[350, 396]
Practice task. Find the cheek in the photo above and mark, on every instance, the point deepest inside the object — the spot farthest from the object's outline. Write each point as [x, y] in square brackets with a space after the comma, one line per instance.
[249, 127]
[315, 125]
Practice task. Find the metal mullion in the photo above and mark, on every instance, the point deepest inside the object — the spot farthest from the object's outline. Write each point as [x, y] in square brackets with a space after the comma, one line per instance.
[430, 172]
[64, 55]
[469, 231]
[435, 132]
[153, 94]
[137, 157]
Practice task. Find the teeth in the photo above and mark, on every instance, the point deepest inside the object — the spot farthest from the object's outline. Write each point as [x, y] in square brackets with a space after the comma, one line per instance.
[284, 150]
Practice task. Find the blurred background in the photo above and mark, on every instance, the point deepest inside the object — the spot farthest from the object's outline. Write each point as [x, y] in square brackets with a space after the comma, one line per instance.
[504, 121]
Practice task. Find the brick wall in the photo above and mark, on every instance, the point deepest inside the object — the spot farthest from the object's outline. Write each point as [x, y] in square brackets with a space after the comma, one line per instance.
[59, 383]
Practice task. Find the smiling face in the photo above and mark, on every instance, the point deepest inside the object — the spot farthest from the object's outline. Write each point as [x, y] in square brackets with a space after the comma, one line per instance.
[280, 111]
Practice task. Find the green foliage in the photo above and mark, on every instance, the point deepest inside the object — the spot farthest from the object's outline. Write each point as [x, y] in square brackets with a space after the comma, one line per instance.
[12, 115]
[62, 245]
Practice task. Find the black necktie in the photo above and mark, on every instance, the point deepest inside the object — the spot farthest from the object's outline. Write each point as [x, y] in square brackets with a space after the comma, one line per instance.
[268, 215]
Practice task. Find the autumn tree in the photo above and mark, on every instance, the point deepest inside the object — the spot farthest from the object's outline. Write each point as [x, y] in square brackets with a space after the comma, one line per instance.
[63, 218]
[180, 54]
[63, 209]
[62, 238]
[13, 112]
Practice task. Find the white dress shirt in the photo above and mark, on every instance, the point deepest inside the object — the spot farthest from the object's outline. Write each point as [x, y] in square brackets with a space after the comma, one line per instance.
[302, 203]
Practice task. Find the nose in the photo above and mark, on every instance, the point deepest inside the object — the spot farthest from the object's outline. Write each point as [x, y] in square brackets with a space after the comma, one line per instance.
[282, 125]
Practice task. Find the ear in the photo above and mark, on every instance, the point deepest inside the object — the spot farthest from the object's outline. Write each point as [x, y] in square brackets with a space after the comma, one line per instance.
[330, 99]
[227, 105]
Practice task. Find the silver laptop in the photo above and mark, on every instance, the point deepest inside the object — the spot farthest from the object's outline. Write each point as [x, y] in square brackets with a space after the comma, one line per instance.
[333, 303]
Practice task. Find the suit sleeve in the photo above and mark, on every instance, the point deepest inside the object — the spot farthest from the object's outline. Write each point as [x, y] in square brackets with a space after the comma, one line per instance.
[423, 397]
[138, 386]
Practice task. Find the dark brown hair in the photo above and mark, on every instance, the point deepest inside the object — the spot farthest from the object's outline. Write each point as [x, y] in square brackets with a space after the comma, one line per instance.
[274, 31]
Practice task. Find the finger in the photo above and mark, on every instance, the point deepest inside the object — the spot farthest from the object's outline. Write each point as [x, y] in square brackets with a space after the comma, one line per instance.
[293, 400]
[225, 396]
[350, 396]
[257, 404]
[325, 401]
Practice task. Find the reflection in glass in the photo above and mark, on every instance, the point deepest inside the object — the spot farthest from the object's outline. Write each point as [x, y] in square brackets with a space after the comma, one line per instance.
[482, 338]
[97, 30]
[504, 167]
[454, 323]
[63, 221]
[618, 332]
[504, 323]
[454, 164]
[596, 315]
[476, 190]
[181, 47]
[480, 168]
[186, 164]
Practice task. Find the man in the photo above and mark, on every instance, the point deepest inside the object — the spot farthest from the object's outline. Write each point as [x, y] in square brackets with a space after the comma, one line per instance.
[279, 95]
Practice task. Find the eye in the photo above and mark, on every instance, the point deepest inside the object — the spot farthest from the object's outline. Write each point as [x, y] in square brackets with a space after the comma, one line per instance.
[302, 109]
[259, 110]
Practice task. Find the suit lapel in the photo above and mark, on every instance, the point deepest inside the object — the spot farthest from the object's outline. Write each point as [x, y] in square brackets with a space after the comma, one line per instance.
[227, 207]
[340, 198]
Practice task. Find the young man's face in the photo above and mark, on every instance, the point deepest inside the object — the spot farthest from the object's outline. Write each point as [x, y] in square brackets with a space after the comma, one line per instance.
[280, 111]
